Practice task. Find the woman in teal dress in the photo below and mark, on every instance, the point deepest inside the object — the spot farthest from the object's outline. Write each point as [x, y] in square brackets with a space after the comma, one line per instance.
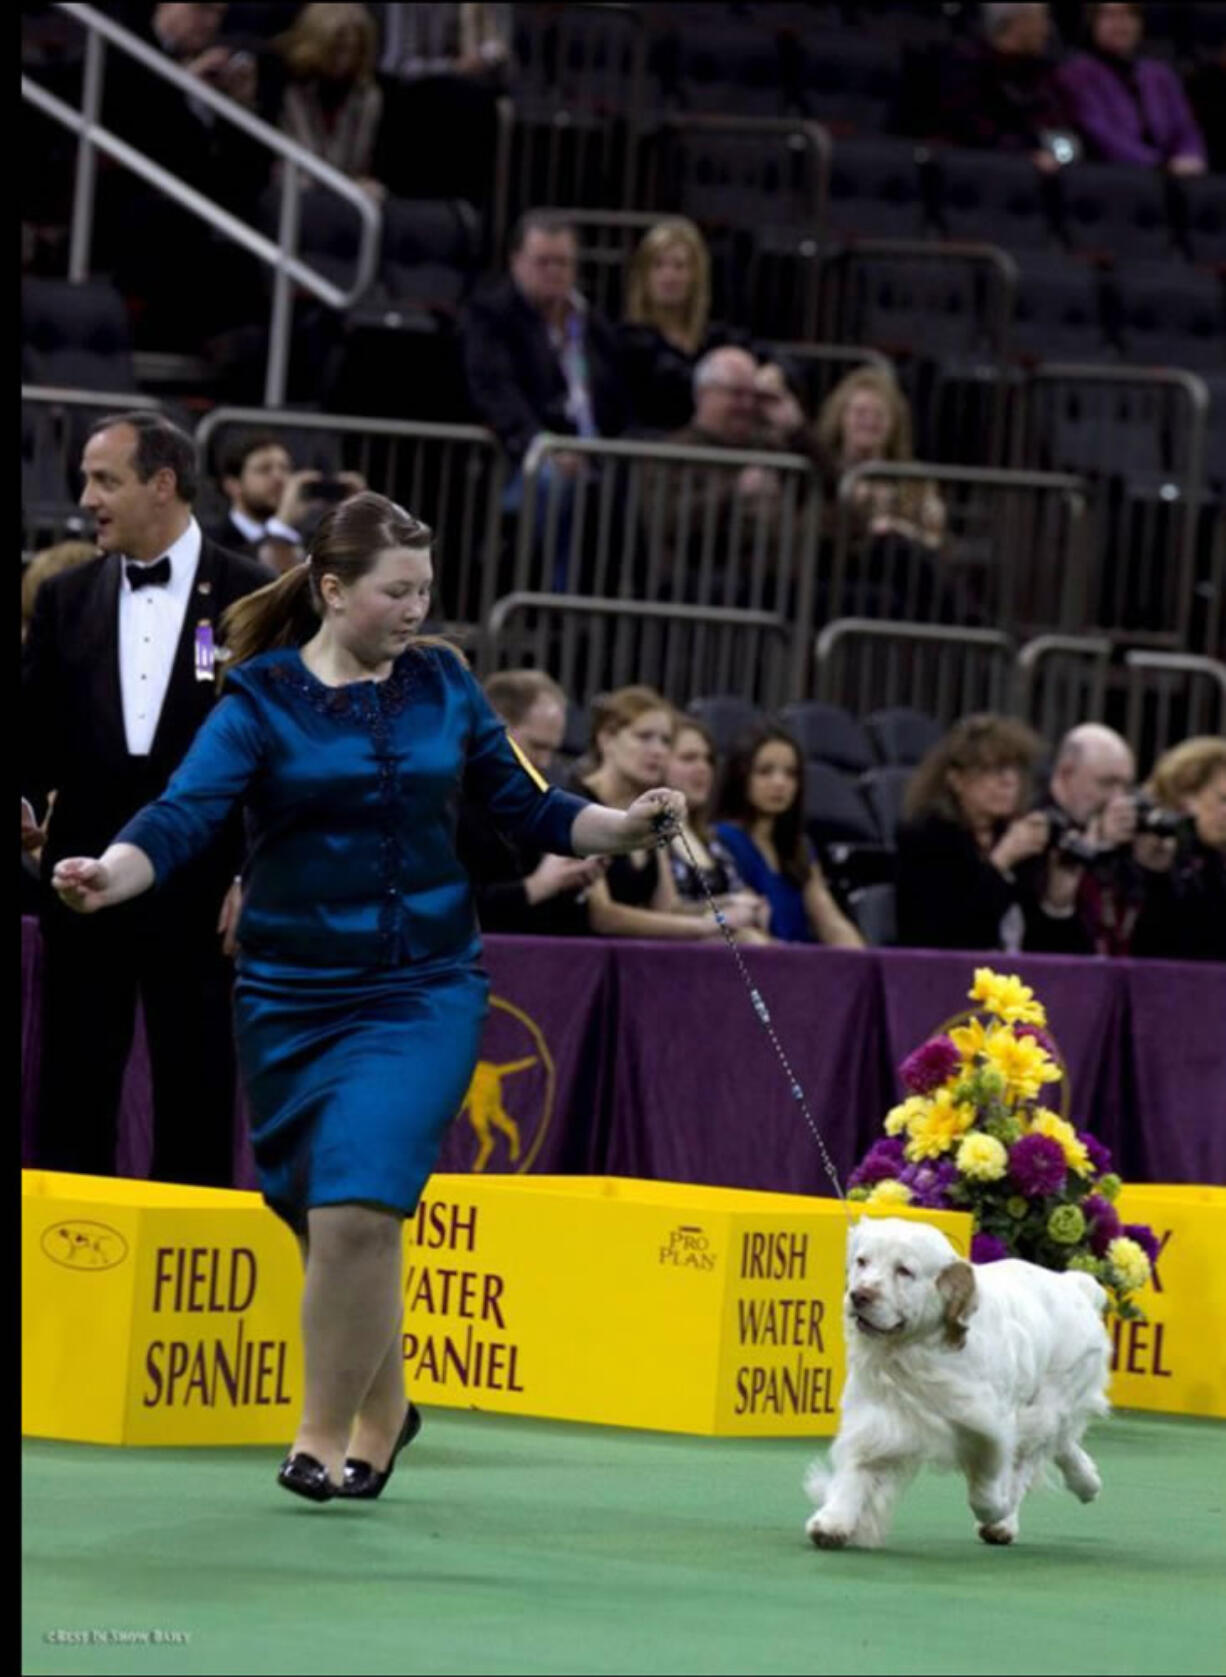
[360, 996]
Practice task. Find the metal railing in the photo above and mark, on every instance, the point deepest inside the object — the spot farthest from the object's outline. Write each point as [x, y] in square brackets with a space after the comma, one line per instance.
[1060, 680]
[679, 650]
[280, 255]
[660, 522]
[1172, 696]
[867, 664]
[607, 241]
[919, 297]
[1010, 549]
[1136, 437]
[450, 476]
[54, 424]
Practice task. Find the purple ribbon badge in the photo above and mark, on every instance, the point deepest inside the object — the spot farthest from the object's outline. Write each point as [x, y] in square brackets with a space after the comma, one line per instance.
[206, 651]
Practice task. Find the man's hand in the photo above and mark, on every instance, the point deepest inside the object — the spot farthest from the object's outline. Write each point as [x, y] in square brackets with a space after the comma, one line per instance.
[555, 875]
[296, 497]
[566, 463]
[1187, 164]
[1025, 837]
[227, 920]
[1115, 824]
[354, 482]
[757, 483]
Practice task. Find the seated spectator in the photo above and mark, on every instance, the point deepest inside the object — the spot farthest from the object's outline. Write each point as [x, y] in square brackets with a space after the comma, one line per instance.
[1130, 109]
[1002, 93]
[963, 836]
[762, 823]
[333, 105]
[50, 561]
[518, 890]
[537, 356]
[1190, 781]
[1106, 887]
[667, 329]
[866, 417]
[444, 68]
[632, 739]
[691, 770]
[273, 509]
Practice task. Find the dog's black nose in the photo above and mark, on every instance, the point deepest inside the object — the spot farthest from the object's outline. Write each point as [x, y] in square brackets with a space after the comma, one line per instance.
[862, 1297]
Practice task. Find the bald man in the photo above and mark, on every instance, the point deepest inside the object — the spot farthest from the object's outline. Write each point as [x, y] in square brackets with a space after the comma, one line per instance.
[1093, 902]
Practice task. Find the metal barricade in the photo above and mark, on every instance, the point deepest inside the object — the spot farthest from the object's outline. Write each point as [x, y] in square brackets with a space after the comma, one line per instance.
[679, 650]
[1172, 696]
[574, 126]
[54, 425]
[450, 476]
[1010, 551]
[865, 664]
[919, 297]
[705, 527]
[607, 240]
[1061, 680]
[1136, 436]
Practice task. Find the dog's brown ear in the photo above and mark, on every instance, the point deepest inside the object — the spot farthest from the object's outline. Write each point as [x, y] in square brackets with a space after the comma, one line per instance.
[956, 1285]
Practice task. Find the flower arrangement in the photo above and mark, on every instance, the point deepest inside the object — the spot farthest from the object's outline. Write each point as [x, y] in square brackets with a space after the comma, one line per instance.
[974, 1135]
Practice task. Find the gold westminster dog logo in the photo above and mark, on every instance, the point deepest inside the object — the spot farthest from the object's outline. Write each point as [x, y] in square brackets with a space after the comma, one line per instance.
[506, 1111]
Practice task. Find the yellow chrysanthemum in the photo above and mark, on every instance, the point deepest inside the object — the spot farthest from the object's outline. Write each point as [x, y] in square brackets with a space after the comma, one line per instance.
[1059, 1129]
[1007, 997]
[891, 1192]
[899, 1119]
[982, 1158]
[1022, 1063]
[971, 1039]
[1129, 1262]
[936, 1132]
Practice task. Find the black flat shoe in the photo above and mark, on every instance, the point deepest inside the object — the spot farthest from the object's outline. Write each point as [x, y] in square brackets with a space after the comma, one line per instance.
[307, 1477]
[361, 1479]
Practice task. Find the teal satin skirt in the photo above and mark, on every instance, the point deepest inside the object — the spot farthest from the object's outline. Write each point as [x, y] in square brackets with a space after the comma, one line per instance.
[352, 1076]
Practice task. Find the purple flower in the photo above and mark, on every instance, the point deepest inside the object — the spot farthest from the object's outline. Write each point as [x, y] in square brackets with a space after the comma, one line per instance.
[986, 1249]
[1100, 1158]
[1041, 1037]
[1104, 1222]
[930, 1183]
[1145, 1238]
[885, 1158]
[1036, 1164]
[933, 1063]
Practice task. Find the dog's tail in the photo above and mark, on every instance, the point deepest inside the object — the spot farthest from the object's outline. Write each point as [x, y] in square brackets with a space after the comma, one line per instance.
[817, 1481]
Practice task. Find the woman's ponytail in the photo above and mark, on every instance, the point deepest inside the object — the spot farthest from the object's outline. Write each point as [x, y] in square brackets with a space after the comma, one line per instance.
[281, 614]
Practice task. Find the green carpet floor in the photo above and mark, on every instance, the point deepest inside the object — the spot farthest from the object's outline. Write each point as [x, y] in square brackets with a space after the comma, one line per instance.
[504, 1545]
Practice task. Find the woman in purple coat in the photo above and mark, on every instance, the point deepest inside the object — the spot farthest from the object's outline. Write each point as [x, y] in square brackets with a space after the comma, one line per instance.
[1130, 109]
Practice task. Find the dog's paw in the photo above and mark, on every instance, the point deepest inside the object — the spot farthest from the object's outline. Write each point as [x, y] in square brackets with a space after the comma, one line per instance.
[825, 1534]
[1001, 1531]
[1081, 1475]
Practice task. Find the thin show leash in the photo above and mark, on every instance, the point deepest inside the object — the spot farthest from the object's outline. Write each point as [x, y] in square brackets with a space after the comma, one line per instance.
[668, 827]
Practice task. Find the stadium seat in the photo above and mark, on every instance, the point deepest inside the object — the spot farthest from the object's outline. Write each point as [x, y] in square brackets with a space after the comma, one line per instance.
[875, 190]
[993, 196]
[1169, 315]
[726, 717]
[1203, 210]
[1114, 209]
[834, 810]
[902, 735]
[1058, 311]
[874, 908]
[75, 335]
[884, 790]
[828, 734]
[431, 249]
[850, 79]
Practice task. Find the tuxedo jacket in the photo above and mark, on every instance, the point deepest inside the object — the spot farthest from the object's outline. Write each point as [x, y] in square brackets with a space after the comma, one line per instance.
[72, 732]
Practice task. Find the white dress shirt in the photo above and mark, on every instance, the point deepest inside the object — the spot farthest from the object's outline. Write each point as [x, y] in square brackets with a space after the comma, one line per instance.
[150, 624]
[253, 532]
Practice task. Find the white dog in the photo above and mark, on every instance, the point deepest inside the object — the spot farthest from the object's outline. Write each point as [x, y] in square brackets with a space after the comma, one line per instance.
[995, 1370]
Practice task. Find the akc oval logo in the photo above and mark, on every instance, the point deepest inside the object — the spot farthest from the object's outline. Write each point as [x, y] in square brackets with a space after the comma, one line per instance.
[82, 1245]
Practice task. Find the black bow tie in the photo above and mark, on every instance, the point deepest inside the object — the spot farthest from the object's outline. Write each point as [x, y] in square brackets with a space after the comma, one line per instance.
[156, 575]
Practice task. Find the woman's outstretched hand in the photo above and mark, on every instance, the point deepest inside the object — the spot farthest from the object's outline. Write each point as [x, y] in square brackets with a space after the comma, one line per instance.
[81, 883]
[653, 818]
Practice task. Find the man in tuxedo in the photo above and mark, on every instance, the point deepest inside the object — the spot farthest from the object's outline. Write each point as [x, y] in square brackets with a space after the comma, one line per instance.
[118, 675]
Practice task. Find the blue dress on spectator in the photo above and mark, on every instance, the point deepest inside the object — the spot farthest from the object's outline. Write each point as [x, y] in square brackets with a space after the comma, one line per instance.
[789, 921]
[359, 998]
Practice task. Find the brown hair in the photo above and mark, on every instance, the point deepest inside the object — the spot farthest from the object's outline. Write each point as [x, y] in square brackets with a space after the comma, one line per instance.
[347, 544]
[700, 819]
[50, 562]
[513, 693]
[983, 741]
[677, 230]
[306, 45]
[1187, 769]
[611, 712]
[829, 426]
[788, 829]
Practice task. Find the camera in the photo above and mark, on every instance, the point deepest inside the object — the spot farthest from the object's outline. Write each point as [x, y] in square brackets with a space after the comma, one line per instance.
[1067, 838]
[329, 489]
[1153, 818]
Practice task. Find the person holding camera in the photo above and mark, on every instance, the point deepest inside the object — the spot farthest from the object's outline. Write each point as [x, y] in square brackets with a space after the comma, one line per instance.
[1189, 784]
[1102, 884]
[273, 508]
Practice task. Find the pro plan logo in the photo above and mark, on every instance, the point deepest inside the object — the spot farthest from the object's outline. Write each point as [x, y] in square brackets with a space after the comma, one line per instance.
[508, 1106]
[688, 1247]
[82, 1245]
